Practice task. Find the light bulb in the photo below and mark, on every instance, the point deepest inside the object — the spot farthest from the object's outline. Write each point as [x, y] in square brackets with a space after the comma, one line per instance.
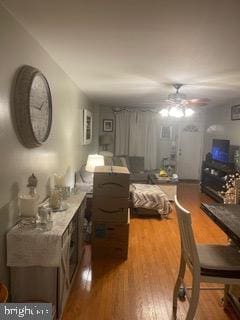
[189, 112]
[176, 112]
[164, 112]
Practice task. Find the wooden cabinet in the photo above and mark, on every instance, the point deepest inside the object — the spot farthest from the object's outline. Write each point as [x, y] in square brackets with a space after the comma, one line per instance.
[81, 215]
[69, 262]
[52, 284]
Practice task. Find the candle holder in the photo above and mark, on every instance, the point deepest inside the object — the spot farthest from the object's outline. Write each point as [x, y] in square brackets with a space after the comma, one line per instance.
[32, 185]
[44, 219]
[55, 199]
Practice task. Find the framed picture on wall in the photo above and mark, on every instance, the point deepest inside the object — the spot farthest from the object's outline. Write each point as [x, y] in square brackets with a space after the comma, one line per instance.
[107, 125]
[166, 132]
[235, 112]
[87, 126]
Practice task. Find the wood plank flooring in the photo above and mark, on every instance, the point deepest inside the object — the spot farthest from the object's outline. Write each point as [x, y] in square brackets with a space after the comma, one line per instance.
[141, 288]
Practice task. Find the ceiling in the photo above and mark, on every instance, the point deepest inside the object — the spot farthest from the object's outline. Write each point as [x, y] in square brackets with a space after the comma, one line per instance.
[128, 52]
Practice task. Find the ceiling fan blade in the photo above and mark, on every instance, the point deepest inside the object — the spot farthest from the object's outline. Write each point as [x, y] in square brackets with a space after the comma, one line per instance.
[201, 100]
[199, 105]
[180, 99]
[192, 105]
[198, 102]
[170, 101]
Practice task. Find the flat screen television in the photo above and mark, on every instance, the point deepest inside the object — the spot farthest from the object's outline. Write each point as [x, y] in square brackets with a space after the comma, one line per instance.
[220, 150]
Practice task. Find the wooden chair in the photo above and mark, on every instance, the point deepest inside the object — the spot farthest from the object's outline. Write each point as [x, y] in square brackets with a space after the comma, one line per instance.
[207, 263]
[3, 293]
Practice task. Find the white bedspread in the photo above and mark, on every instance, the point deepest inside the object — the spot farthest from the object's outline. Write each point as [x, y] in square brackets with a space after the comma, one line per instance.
[150, 197]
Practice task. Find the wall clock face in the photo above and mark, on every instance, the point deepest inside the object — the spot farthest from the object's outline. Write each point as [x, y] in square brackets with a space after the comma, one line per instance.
[39, 105]
[33, 107]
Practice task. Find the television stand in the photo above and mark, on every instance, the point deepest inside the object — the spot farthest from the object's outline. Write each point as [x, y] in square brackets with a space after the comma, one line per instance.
[213, 178]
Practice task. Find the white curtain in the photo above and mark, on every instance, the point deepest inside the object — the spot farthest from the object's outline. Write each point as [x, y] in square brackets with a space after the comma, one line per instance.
[134, 141]
[151, 142]
[122, 133]
[139, 138]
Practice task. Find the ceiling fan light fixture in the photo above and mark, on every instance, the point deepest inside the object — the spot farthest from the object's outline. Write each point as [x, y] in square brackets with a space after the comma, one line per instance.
[189, 112]
[177, 97]
[176, 112]
[179, 105]
[164, 112]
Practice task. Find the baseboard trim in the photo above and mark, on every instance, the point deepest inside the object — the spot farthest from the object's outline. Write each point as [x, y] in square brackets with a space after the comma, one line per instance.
[189, 181]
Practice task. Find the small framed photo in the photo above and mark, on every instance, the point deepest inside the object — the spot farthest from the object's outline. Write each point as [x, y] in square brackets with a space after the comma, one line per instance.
[107, 125]
[87, 126]
[235, 112]
[166, 133]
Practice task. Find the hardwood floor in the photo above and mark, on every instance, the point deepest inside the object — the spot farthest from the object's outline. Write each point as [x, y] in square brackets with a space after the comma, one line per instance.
[141, 288]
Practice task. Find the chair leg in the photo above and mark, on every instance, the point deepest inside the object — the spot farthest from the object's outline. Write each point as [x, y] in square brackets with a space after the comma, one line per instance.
[179, 281]
[194, 297]
[225, 300]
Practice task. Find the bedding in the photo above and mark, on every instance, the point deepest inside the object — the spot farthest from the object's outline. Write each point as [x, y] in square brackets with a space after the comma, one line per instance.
[149, 196]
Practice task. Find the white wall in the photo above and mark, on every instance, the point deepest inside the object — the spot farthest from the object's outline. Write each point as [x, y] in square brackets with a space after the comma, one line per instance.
[62, 150]
[219, 125]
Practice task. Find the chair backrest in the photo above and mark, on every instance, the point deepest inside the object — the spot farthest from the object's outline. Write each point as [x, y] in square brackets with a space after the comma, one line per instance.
[188, 244]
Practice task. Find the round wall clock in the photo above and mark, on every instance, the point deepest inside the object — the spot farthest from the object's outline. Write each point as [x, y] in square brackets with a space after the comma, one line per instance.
[32, 106]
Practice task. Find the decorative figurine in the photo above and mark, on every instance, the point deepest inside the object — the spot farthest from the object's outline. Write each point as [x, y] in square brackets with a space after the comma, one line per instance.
[32, 184]
[208, 157]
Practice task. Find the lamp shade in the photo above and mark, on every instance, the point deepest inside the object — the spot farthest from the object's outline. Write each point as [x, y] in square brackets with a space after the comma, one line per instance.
[105, 139]
[93, 161]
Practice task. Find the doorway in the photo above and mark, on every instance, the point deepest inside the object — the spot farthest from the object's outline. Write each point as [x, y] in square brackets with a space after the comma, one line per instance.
[190, 151]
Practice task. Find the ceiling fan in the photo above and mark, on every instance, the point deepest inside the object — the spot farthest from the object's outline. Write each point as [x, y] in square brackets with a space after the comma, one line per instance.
[179, 97]
[179, 106]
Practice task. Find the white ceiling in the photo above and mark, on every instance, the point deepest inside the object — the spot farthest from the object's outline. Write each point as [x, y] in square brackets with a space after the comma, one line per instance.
[127, 52]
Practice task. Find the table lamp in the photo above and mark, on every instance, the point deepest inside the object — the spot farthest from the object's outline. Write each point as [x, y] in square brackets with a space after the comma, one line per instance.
[93, 161]
[105, 140]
